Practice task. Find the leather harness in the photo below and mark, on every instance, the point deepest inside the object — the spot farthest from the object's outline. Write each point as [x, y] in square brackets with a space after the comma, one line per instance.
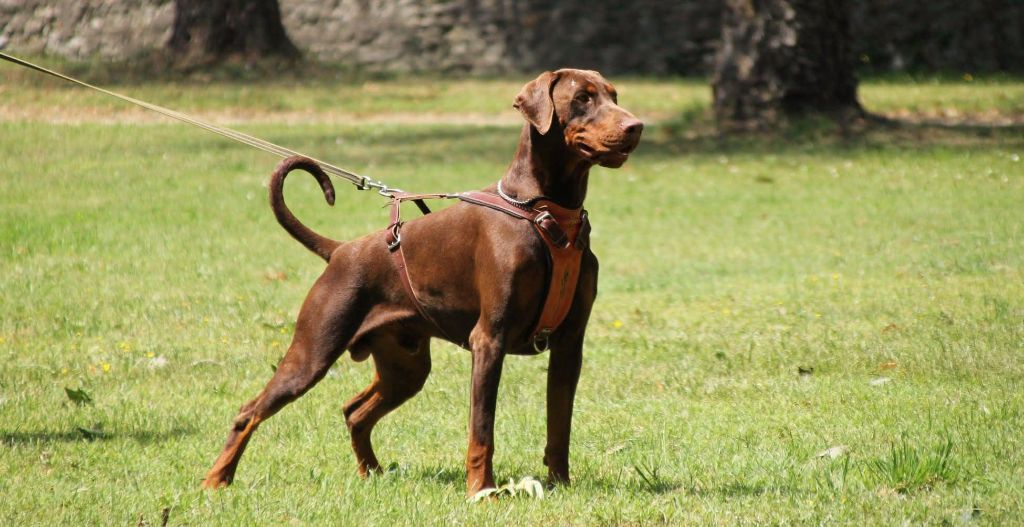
[565, 232]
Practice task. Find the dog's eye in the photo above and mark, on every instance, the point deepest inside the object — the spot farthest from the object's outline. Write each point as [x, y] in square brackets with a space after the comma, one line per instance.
[583, 98]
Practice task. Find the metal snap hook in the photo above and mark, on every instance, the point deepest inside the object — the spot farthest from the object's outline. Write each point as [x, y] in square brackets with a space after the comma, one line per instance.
[542, 341]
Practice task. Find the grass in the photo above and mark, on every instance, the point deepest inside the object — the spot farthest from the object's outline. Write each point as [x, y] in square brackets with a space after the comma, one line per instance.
[906, 469]
[147, 292]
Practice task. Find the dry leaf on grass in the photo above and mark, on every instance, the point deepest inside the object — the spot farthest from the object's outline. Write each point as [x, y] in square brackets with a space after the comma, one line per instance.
[527, 486]
[833, 452]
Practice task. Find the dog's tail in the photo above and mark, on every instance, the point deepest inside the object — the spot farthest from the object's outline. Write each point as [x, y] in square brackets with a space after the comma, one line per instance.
[314, 242]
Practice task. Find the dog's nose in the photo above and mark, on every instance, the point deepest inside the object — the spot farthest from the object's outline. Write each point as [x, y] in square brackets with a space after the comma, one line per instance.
[633, 127]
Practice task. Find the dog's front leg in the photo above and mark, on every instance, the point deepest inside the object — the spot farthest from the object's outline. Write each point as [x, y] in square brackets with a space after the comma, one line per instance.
[566, 359]
[563, 375]
[488, 357]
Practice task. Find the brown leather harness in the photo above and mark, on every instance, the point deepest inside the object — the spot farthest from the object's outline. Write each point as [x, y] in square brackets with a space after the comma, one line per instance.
[565, 232]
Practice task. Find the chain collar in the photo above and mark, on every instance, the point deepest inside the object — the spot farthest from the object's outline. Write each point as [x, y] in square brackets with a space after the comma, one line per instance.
[523, 204]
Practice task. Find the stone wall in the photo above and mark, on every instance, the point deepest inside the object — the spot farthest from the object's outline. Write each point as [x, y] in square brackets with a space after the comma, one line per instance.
[82, 29]
[489, 36]
[501, 36]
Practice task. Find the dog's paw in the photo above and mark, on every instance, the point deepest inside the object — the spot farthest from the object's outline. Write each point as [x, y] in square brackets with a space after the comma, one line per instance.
[214, 483]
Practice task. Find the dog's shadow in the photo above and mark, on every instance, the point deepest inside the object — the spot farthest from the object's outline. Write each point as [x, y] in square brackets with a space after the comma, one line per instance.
[443, 475]
[457, 476]
[87, 435]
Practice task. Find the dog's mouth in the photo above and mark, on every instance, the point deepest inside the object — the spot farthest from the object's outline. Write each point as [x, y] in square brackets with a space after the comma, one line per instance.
[611, 156]
[586, 150]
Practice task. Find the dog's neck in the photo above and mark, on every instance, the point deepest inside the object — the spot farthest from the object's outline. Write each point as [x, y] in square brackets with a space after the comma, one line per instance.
[543, 166]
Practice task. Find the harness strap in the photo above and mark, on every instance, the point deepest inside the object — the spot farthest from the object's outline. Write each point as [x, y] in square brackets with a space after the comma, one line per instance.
[393, 236]
[565, 232]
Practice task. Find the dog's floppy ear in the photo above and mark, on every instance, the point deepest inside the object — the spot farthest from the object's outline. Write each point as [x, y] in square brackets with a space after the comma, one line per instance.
[535, 103]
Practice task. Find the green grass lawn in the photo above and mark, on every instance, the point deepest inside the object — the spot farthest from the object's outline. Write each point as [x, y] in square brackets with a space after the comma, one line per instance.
[140, 264]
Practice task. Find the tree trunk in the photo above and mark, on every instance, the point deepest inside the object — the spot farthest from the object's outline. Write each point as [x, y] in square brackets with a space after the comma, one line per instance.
[207, 31]
[781, 58]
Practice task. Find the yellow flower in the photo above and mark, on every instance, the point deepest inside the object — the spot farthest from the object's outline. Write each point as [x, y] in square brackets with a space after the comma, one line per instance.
[150, 355]
[106, 367]
[617, 324]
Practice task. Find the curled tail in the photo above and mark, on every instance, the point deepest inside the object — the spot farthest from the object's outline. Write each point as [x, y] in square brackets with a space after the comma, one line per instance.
[314, 242]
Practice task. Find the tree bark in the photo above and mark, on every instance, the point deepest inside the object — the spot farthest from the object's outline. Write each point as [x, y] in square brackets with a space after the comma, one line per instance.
[207, 31]
[781, 58]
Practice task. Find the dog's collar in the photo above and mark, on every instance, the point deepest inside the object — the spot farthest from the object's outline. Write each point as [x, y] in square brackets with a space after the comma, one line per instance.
[525, 204]
[564, 215]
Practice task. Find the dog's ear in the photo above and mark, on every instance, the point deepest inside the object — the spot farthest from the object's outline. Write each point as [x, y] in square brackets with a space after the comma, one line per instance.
[535, 103]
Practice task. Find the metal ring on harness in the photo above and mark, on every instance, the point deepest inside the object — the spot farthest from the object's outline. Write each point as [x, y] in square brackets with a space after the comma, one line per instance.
[396, 231]
[544, 336]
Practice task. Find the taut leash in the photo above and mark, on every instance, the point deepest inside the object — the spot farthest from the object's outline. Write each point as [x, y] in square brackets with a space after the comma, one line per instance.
[361, 182]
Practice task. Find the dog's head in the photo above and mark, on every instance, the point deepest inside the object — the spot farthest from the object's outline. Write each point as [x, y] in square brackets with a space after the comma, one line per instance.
[583, 107]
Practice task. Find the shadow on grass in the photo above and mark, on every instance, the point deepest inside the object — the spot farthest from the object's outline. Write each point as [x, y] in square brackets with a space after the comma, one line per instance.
[742, 490]
[443, 475]
[694, 132]
[457, 476]
[86, 435]
[691, 134]
[158, 67]
[151, 67]
[664, 485]
[661, 485]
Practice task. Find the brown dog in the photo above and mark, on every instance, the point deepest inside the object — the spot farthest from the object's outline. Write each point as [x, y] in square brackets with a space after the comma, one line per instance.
[478, 278]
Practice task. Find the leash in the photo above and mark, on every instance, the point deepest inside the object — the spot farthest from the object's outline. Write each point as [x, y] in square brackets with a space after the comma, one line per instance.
[360, 182]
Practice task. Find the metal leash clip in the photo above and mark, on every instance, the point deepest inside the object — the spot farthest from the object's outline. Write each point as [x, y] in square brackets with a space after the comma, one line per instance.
[367, 183]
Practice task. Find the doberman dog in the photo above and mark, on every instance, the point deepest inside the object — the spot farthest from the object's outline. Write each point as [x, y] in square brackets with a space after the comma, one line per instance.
[475, 275]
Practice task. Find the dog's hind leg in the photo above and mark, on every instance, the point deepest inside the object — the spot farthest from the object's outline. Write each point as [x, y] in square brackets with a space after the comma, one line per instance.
[325, 323]
[401, 373]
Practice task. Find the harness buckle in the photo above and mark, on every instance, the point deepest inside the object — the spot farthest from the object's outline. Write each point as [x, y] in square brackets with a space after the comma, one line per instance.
[547, 222]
